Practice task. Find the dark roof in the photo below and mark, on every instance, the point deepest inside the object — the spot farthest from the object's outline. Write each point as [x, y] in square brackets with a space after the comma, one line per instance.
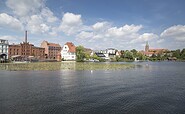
[100, 54]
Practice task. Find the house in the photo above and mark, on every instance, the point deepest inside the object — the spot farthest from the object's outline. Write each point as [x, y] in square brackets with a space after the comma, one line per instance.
[111, 52]
[52, 50]
[68, 51]
[3, 50]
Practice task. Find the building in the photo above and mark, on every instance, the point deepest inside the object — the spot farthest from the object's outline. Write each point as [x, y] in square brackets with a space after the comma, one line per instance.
[52, 50]
[68, 51]
[25, 50]
[3, 50]
[107, 54]
[149, 52]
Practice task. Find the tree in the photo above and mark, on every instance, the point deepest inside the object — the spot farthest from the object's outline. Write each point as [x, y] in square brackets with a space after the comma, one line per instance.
[134, 51]
[122, 53]
[128, 55]
[176, 53]
[80, 54]
[183, 54]
[141, 56]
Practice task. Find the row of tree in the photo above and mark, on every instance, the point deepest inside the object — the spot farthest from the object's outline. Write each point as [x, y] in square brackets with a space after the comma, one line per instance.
[126, 55]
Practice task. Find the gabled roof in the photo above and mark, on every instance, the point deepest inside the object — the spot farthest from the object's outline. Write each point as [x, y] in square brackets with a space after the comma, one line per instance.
[71, 46]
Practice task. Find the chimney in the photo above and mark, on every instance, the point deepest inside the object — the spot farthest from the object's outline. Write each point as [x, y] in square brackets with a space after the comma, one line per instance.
[25, 36]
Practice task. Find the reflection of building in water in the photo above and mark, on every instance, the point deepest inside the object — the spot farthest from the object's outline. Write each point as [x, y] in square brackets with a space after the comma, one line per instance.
[149, 52]
[68, 65]
[25, 50]
[3, 50]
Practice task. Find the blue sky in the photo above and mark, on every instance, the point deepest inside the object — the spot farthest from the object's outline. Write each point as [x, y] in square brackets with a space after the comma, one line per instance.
[96, 24]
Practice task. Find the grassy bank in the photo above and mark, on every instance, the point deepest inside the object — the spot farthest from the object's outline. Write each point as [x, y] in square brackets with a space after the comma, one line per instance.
[52, 66]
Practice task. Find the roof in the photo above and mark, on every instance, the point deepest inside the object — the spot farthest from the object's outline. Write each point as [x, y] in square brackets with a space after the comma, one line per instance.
[148, 53]
[158, 49]
[100, 54]
[53, 44]
[71, 46]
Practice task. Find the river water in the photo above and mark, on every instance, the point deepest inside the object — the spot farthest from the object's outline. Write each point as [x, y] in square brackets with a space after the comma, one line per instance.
[154, 88]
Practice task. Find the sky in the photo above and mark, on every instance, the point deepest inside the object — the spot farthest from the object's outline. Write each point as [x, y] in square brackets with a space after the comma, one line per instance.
[95, 24]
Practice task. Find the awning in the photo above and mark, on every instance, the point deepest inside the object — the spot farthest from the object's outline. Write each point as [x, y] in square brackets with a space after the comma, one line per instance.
[15, 56]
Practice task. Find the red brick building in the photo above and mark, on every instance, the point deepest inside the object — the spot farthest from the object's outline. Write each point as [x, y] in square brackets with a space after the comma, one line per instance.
[52, 50]
[25, 50]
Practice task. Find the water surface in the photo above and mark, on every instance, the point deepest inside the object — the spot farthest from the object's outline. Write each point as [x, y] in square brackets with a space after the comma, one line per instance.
[154, 88]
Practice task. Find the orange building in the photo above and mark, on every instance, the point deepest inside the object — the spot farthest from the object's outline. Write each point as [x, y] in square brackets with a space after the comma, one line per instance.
[52, 50]
[25, 50]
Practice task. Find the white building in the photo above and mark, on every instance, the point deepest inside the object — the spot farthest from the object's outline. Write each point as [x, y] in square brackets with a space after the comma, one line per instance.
[3, 49]
[68, 51]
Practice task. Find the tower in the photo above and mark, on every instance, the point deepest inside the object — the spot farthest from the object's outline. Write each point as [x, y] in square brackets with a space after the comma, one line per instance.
[147, 47]
[25, 36]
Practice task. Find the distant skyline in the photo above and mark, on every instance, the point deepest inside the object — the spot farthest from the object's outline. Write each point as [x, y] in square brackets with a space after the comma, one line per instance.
[95, 24]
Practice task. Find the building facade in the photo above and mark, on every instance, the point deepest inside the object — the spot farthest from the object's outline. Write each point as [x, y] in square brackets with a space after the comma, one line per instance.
[25, 50]
[4, 45]
[52, 50]
[68, 51]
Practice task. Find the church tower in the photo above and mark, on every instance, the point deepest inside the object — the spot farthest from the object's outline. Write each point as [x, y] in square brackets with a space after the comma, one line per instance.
[147, 47]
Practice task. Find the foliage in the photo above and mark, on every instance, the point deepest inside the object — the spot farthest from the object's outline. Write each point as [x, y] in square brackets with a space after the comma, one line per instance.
[80, 54]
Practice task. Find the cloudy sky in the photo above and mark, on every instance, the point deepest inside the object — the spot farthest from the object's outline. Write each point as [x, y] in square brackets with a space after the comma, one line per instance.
[96, 24]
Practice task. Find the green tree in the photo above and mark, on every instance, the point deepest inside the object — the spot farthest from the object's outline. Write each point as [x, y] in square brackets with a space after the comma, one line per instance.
[141, 56]
[122, 53]
[176, 53]
[134, 51]
[128, 55]
[80, 54]
[183, 54]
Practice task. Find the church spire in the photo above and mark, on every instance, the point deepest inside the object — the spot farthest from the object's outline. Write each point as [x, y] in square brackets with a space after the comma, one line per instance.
[147, 47]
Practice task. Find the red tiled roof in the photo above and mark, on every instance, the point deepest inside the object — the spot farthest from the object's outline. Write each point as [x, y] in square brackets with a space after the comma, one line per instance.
[157, 49]
[71, 46]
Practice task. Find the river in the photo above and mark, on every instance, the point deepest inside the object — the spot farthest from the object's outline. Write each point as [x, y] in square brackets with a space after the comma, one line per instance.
[153, 88]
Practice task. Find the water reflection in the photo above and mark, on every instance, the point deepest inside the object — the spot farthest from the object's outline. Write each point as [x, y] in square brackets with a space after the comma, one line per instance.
[67, 65]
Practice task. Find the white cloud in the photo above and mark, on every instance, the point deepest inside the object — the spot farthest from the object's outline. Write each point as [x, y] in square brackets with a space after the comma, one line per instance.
[101, 26]
[11, 39]
[123, 31]
[145, 37]
[48, 15]
[25, 7]
[34, 15]
[72, 24]
[7, 37]
[85, 35]
[177, 32]
[10, 22]
[160, 40]
[36, 24]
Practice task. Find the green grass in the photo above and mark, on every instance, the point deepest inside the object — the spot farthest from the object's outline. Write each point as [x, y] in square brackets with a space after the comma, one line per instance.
[52, 66]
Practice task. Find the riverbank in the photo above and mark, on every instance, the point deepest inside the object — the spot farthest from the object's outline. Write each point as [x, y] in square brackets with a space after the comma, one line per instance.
[53, 66]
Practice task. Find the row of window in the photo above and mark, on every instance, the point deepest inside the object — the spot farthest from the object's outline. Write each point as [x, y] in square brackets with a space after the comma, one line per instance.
[4, 46]
[3, 51]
